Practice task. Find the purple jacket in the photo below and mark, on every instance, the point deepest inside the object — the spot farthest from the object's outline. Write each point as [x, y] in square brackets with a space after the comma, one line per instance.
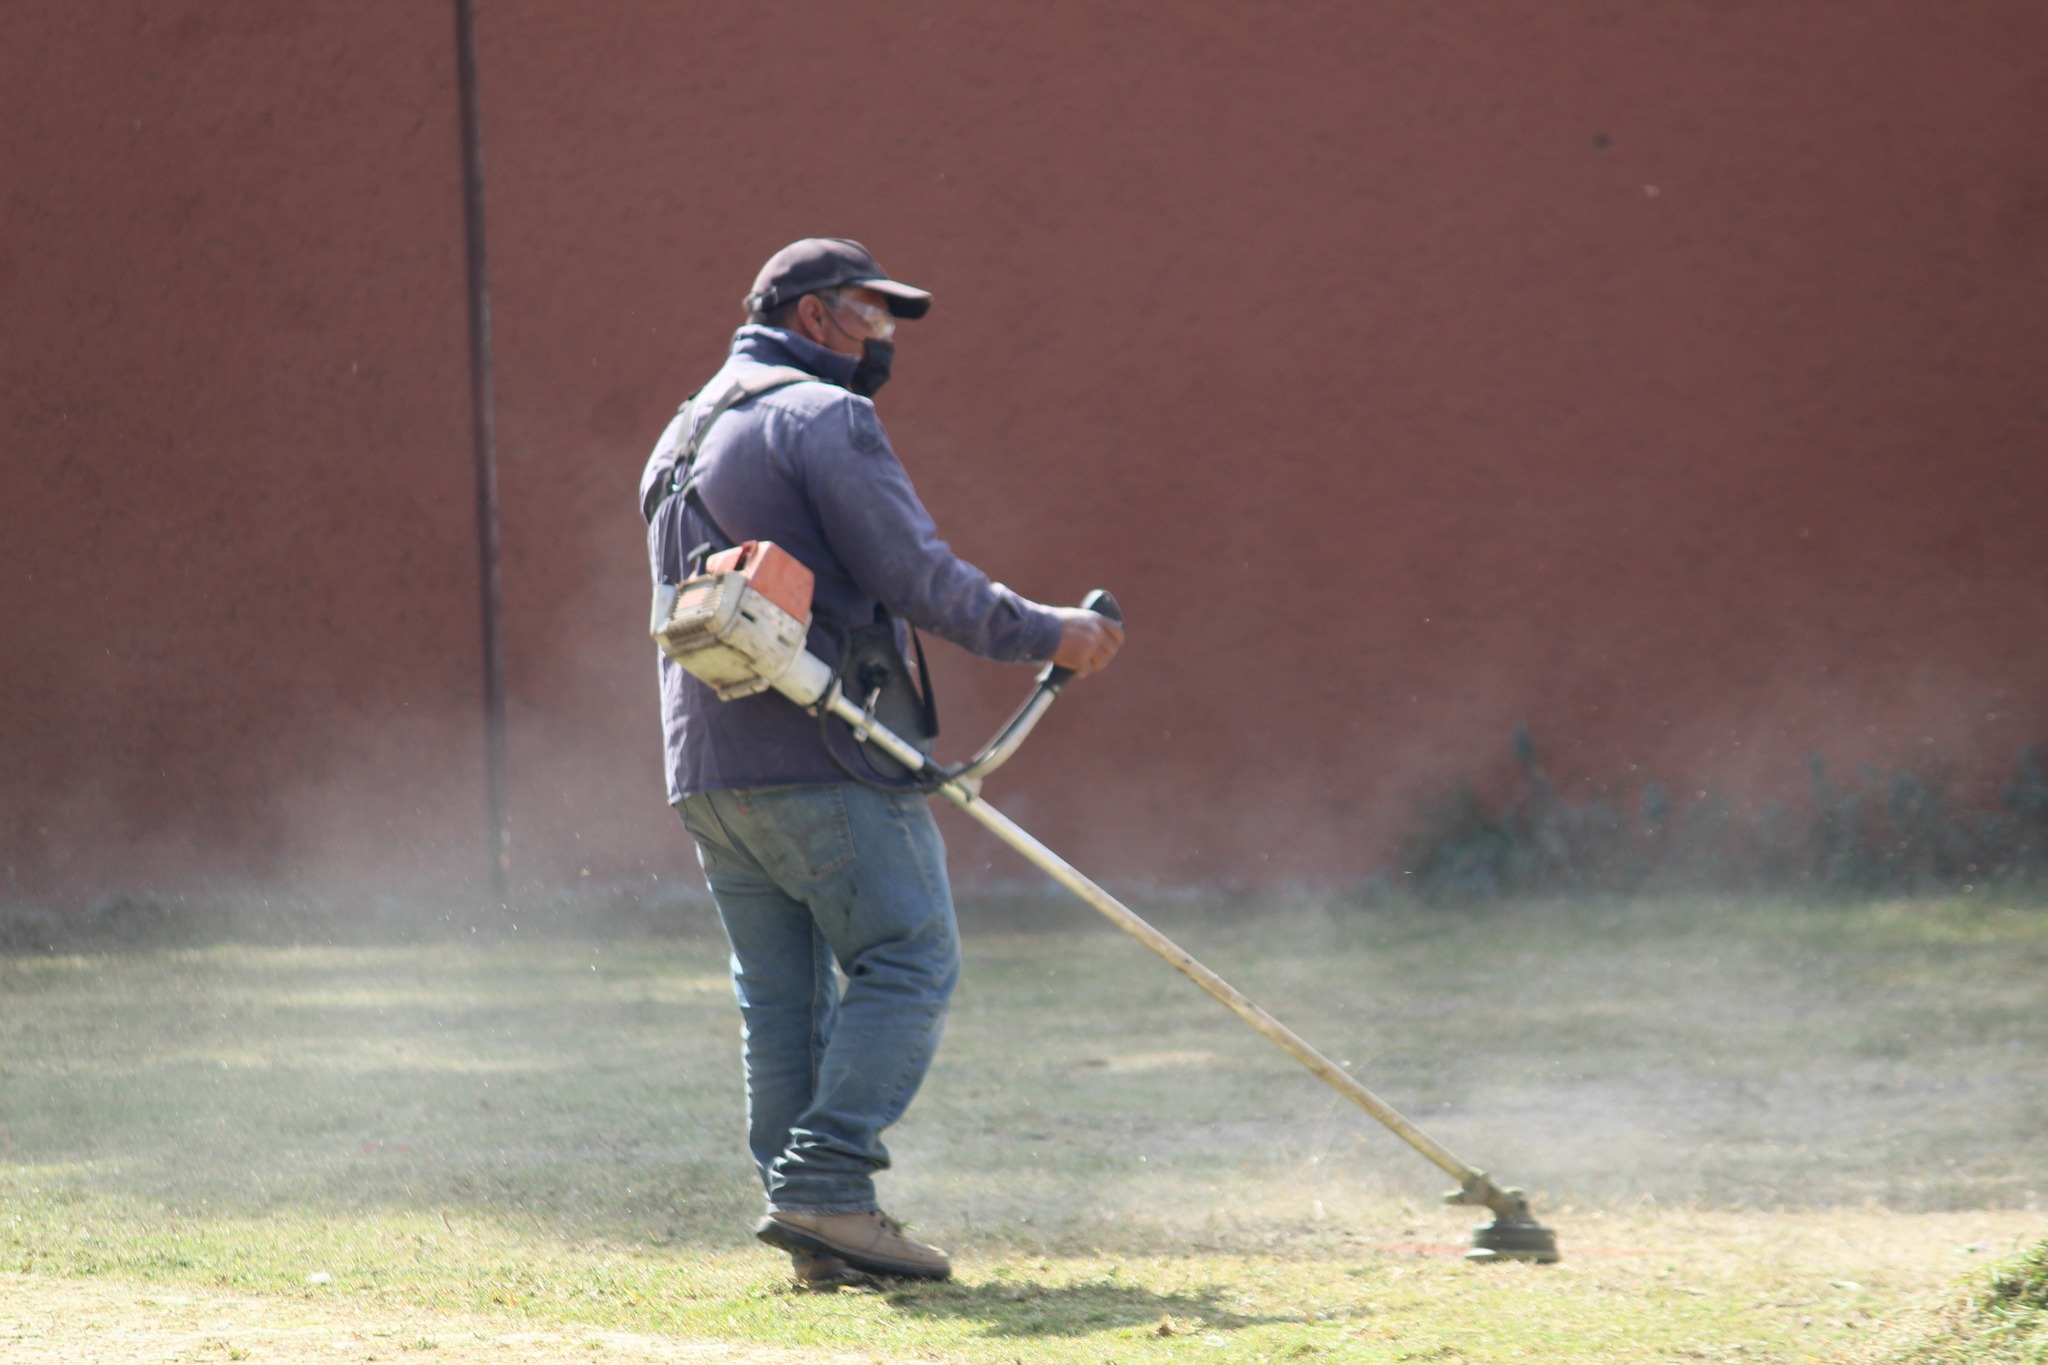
[809, 467]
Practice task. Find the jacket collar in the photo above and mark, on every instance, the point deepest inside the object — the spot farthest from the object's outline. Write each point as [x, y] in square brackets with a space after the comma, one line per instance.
[773, 346]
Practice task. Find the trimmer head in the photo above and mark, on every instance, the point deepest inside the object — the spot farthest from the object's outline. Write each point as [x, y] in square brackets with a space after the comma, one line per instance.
[1514, 1234]
[1514, 1240]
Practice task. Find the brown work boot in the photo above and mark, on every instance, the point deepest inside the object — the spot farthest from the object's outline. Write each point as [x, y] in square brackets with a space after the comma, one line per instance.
[824, 1274]
[870, 1241]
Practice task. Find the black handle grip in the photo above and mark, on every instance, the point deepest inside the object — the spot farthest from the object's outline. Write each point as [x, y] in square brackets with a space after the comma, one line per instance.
[1102, 604]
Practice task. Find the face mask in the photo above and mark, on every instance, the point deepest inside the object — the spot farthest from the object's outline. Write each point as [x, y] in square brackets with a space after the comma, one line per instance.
[873, 370]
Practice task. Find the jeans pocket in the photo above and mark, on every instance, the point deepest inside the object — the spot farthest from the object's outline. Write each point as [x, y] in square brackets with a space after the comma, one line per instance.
[797, 833]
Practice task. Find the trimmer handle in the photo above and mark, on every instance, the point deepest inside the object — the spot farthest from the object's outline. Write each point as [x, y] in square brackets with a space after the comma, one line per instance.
[1102, 604]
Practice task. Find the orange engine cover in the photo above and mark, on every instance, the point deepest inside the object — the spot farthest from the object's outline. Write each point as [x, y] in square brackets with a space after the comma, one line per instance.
[770, 570]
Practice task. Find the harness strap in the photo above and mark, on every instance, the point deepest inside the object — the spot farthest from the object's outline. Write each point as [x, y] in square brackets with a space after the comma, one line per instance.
[656, 485]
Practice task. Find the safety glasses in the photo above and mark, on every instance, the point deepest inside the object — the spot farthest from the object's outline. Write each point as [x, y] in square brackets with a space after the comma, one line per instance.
[881, 323]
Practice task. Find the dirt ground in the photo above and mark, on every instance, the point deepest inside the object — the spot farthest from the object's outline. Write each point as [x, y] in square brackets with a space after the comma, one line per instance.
[46, 1321]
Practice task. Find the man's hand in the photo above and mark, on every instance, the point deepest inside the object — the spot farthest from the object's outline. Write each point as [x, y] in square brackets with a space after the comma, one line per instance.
[1087, 640]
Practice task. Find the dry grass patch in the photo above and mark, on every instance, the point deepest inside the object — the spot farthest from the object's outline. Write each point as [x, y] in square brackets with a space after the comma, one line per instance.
[1762, 1132]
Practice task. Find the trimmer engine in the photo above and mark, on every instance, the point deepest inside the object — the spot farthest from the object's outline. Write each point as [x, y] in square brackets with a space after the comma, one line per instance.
[740, 625]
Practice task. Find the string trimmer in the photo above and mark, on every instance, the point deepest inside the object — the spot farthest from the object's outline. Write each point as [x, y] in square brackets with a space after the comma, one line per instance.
[740, 626]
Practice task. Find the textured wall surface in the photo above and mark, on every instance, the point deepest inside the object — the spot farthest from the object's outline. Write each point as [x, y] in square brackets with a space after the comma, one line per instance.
[1672, 379]
[239, 624]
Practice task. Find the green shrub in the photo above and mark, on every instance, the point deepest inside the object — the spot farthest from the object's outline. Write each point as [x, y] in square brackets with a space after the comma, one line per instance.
[1902, 833]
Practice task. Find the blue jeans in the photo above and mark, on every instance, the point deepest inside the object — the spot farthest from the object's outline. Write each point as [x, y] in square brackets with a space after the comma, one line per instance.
[806, 877]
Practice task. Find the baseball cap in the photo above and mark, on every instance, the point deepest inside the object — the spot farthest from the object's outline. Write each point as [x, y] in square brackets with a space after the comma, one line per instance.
[817, 263]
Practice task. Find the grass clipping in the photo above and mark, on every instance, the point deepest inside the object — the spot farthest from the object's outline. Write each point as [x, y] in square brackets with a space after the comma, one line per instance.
[2002, 1317]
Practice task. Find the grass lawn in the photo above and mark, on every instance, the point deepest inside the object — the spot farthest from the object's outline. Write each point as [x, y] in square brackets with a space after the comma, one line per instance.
[1762, 1132]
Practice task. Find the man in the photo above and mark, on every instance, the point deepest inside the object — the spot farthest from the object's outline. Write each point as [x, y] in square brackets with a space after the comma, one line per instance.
[810, 867]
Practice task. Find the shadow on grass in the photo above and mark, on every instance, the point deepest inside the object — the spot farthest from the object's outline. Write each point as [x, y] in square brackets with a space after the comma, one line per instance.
[1013, 1309]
